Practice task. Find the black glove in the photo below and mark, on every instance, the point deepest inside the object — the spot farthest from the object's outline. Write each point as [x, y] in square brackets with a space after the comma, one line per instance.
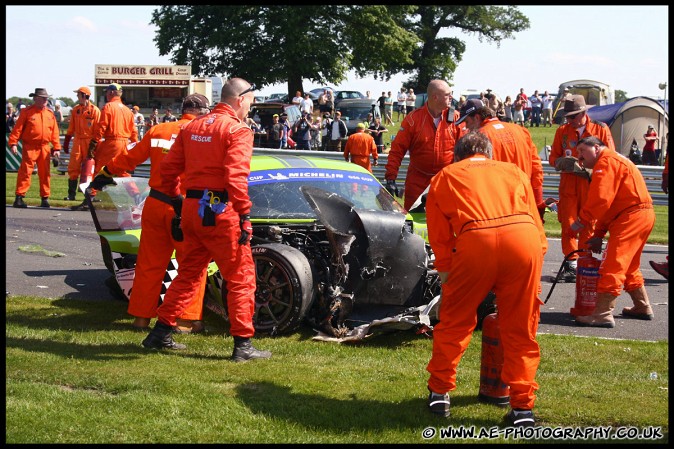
[391, 187]
[541, 212]
[177, 203]
[66, 144]
[92, 149]
[102, 179]
[176, 229]
[246, 229]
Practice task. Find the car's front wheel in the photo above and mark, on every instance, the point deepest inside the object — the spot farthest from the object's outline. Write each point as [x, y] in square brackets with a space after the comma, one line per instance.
[284, 288]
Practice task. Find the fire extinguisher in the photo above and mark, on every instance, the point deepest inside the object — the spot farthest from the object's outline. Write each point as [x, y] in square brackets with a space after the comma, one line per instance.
[492, 389]
[87, 170]
[587, 277]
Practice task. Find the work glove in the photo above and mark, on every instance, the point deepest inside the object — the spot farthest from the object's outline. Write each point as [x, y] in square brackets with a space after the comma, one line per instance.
[594, 244]
[92, 149]
[565, 164]
[246, 229]
[102, 179]
[177, 203]
[575, 228]
[541, 211]
[391, 187]
[66, 144]
[665, 183]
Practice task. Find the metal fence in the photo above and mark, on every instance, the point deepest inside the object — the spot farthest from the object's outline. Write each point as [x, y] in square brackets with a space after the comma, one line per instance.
[652, 174]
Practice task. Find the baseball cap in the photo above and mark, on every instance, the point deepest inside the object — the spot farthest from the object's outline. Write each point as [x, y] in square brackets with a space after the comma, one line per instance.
[574, 104]
[650, 127]
[469, 107]
[84, 89]
[195, 101]
[114, 86]
[275, 115]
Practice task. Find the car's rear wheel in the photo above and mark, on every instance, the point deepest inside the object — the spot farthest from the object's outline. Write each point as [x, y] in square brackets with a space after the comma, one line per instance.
[284, 288]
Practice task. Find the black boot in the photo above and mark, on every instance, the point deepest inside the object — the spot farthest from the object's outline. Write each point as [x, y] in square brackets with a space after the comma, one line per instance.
[18, 202]
[45, 202]
[72, 190]
[244, 350]
[160, 338]
[82, 206]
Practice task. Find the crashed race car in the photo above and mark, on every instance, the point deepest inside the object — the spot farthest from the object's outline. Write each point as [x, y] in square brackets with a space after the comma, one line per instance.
[332, 249]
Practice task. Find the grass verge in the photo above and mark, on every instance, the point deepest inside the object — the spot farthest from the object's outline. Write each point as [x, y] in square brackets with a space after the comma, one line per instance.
[76, 373]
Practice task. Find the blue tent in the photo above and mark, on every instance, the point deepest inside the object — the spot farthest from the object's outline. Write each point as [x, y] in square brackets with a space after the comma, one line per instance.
[629, 121]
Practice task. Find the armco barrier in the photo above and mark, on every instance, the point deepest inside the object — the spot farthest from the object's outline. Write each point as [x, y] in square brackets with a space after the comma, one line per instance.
[652, 175]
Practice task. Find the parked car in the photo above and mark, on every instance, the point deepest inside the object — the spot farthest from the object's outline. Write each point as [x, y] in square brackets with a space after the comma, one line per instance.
[65, 109]
[279, 97]
[355, 111]
[329, 242]
[341, 95]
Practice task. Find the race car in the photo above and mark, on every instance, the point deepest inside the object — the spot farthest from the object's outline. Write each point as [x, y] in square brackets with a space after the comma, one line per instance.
[330, 245]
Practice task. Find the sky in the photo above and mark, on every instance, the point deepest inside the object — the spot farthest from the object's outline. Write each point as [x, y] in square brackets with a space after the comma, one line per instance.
[627, 47]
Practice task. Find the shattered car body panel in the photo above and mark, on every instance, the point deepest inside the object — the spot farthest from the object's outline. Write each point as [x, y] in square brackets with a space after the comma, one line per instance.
[327, 237]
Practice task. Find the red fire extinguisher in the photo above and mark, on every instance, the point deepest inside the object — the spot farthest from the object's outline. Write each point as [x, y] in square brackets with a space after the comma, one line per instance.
[87, 172]
[587, 277]
[492, 388]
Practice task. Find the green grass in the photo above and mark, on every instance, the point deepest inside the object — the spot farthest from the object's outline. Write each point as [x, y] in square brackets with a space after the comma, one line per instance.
[59, 187]
[76, 373]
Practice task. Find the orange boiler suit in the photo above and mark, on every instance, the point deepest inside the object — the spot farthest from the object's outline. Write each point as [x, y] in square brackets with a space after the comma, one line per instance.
[82, 121]
[359, 147]
[36, 129]
[117, 127]
[214, 153]
[486, 233]
[619, 202]
[157, 243]
[513, 143]
[430, 147]
[572, 188]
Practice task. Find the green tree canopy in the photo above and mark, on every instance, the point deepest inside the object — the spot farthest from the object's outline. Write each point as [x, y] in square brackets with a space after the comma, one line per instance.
[276, 44]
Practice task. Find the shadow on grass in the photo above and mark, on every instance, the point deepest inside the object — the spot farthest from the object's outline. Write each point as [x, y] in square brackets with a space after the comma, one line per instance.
[317, 411]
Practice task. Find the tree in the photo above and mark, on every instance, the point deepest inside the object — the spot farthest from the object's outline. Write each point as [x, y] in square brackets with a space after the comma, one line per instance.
[438, 57]
[620, 96]
[273, 44]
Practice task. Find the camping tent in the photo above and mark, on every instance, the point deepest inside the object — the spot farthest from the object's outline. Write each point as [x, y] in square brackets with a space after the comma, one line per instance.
[629, 121]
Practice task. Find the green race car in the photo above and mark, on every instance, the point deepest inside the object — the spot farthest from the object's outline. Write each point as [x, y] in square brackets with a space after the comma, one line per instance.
[332, 248]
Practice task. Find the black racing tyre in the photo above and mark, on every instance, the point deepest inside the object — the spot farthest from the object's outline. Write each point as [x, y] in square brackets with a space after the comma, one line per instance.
[284, 288]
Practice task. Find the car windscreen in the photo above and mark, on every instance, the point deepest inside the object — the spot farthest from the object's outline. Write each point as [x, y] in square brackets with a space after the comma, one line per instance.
[358, 113]
[276, 193]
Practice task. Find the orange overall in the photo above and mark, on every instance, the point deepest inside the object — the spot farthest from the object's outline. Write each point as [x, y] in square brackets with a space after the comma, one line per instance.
[82, 121]
[486, 233]
[36, 129]
[213, 152]
[620, 203]
[359, 147]
[116, 126]
[573, 189]
[512, 143]
[430, 147]
[157, 243]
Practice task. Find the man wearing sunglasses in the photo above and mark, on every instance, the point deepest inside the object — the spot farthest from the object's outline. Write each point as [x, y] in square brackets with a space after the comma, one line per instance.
[574, 182]
[214, 153]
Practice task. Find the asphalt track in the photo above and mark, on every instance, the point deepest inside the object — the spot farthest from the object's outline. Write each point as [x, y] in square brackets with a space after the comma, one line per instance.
[68, 264]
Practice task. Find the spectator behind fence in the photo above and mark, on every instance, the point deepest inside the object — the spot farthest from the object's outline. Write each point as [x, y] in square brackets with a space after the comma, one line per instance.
[648, 153]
